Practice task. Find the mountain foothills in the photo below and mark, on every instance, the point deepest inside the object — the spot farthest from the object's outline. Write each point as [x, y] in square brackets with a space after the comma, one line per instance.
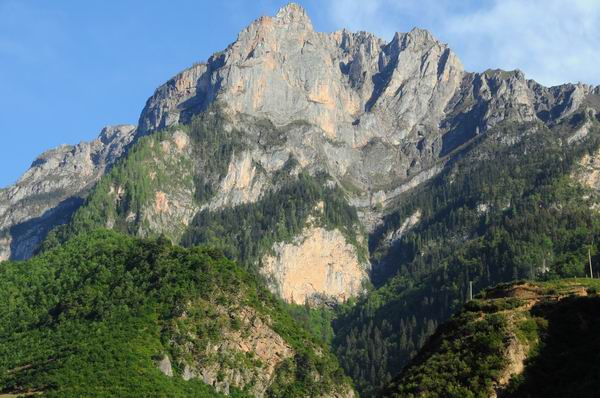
[517, 340]
[335, 195]
[130, 317]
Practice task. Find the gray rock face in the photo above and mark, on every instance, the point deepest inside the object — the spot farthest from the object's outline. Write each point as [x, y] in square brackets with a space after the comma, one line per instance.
[164, 365]
[55, 185]
[378, 114]
[370, 110]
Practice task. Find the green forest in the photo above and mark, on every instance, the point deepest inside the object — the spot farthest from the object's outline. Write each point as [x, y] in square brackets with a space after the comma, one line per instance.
[466, 356]
[93, 316]
[536, 216]
[246, 232]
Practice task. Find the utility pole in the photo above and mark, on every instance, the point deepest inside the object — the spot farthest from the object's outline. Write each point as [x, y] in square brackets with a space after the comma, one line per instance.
[590, 260]
[470, 290]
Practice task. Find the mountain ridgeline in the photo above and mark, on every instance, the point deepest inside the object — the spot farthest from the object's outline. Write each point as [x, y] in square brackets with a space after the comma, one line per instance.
[330, 189]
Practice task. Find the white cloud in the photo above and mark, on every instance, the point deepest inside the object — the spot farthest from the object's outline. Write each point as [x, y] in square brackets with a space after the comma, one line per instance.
[552, 41]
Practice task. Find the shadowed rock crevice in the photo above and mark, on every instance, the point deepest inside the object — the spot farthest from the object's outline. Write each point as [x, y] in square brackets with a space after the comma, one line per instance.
[27, 236]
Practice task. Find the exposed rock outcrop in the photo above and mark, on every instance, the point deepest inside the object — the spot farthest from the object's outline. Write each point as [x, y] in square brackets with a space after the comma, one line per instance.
[319, 263]
[588, 171]
[164, 365]
[55, 185]
[243, 183]
[170, 170]
[254, 340]
[376, 114]
[407, 225]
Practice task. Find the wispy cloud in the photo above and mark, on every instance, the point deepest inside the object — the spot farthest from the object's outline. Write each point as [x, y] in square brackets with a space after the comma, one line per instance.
[552, 41]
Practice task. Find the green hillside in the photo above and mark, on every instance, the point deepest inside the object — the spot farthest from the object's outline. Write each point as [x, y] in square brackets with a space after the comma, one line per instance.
[96, 316]
[499, 213]
[515, 340]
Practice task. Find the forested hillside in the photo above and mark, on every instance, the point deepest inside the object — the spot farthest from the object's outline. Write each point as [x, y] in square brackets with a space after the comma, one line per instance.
[126, 199]
[499, 213]
[110, 315]
[515, 340]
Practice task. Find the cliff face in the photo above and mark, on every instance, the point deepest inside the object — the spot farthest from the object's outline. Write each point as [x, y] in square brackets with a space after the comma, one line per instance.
[366, 104]
[319, 262]
[55, 185]
[379, 118]
[588, 171]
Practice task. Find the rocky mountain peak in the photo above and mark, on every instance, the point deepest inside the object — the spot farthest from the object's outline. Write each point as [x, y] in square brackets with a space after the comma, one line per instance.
[285, 33]
[422, 37]
[294, 15]
[416, 39]
[280, 69]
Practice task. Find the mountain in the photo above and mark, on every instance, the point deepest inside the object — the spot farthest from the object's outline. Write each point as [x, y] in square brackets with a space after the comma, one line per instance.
[515, 340]
[378, 118]
[375, 178]
[497, 213]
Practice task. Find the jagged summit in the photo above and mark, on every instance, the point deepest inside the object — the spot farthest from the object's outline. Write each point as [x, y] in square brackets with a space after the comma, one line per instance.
[291, 19]
[280, 69]
[111, 133]
[294, 14]
[421, 36]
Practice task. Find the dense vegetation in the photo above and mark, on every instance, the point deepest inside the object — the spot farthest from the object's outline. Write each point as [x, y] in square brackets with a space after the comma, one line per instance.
[214, 146]
[248, 231]
[461, 360]
[494, 215]
[471, 354]
[92, 317]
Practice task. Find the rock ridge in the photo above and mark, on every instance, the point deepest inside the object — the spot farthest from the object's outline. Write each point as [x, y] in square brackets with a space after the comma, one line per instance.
[53, 188]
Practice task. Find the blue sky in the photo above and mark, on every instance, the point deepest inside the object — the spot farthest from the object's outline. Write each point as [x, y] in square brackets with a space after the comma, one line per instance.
[69, 67]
